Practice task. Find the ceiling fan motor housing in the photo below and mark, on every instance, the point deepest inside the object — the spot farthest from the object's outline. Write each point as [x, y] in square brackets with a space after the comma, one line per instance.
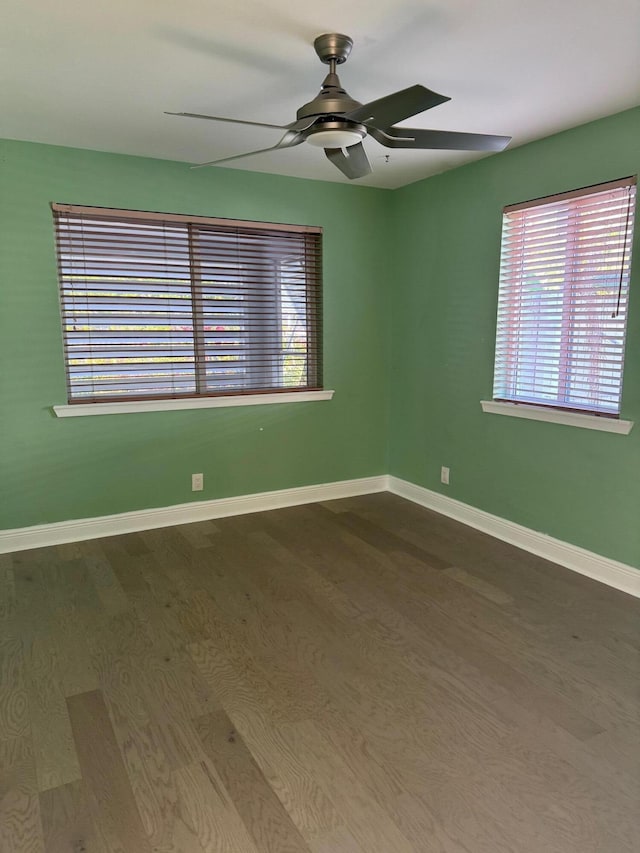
[332, 100]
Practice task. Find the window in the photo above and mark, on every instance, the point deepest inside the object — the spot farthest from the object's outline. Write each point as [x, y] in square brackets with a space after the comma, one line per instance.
[156, 306]
[562, 304]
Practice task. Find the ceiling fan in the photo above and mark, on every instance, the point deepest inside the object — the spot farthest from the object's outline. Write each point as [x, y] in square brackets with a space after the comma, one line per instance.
[337, 123]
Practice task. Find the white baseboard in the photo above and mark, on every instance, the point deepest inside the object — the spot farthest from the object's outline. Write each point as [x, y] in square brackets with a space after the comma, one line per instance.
[59, 532]
[607, 571]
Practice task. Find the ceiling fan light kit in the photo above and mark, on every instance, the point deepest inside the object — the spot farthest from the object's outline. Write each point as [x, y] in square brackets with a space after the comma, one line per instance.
[333, 120]
[334, 134]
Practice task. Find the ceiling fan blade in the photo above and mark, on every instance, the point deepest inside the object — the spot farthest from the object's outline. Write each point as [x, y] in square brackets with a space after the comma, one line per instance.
[396, 107]
[352, 161]
[230, 120]
[413, 137]
[303, 123]
[300, 124]
[288, 141]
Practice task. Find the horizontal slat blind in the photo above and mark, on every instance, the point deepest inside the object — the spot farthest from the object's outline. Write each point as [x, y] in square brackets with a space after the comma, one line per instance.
[155, 308]
[562, 304]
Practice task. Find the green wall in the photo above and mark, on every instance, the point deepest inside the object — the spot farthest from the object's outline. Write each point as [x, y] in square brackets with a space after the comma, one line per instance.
[411, 280]
[53, 469]
[579, 485]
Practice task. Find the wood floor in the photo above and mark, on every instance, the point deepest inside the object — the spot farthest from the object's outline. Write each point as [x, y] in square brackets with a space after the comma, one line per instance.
[361, 676]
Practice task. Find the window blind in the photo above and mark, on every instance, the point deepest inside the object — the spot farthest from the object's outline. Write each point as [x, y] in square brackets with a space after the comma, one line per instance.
[563, 296]
[162, 306]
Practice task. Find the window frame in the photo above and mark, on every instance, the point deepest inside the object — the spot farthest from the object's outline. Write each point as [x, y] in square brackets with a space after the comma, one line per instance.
[507, 349]
[309, 284]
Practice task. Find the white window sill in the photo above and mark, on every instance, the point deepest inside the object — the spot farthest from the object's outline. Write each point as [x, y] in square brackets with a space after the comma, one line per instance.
[556, 416]
[121, 407]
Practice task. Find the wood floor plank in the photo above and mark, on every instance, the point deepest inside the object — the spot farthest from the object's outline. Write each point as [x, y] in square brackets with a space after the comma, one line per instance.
[107, 585]
[206, 807]
[20, 826]
[138, 689]
[6, 561]
[263, 814]
[370, 825]
[14, 710]
[198, 534]
[197, 616]
[169, 669]
[69, 551]
[103, 771]
[619, 748]
[286, 691]
[238, 689]
[128, 572]
[67, 822]
[385, 541]
[69, 632]
[133, 544]
[55, 754]
[337, 841]
[150, 770]
[170, 711]
[293, 780]
[117, 648]
[7, 597]
[486, 589]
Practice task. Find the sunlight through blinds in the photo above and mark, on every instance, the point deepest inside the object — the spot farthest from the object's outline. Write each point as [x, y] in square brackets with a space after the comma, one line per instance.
[563, 296]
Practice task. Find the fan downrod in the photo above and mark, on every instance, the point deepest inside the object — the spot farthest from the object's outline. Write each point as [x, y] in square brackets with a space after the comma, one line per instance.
[333, 47]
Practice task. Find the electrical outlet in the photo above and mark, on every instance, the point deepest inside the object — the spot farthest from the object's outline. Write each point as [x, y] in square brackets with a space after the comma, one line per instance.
[444, 475]
[197, 482]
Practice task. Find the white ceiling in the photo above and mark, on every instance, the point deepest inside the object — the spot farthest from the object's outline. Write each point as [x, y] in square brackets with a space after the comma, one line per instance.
[97, 74]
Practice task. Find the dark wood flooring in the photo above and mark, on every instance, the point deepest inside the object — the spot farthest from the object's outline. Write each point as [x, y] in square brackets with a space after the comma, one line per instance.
[360, 676]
